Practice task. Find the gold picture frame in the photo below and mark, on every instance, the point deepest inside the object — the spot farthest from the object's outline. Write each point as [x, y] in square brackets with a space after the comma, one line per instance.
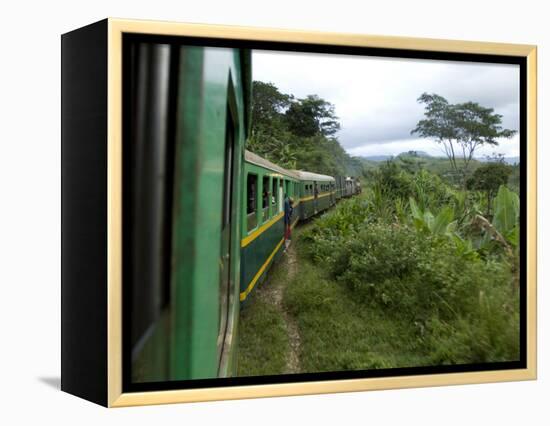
[114, 359]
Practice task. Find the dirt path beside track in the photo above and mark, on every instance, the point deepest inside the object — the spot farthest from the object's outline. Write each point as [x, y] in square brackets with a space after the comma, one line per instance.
[273, 293]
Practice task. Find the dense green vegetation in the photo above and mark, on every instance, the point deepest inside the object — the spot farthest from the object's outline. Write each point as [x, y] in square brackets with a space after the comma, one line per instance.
[420, 252]
[413, 161]
[421, 269]
[298, 133]
[338, 332]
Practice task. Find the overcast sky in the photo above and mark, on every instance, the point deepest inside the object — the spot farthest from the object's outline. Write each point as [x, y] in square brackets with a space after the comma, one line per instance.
[375, 98]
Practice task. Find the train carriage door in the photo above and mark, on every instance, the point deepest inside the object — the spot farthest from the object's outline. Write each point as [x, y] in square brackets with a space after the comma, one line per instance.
[225, 254]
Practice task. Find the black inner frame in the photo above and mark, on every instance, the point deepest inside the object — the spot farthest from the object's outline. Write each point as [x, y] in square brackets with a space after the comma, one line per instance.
[128, 386]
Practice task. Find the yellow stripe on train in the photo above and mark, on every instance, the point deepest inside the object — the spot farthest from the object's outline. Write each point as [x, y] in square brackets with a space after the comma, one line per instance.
[245, 293]
[255, 234]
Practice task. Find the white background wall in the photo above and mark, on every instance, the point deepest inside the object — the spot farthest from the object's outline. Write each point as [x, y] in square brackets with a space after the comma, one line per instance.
[30, 211]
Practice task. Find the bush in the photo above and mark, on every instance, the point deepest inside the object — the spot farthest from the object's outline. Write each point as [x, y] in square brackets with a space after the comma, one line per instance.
[431, 192]
[334, 227]
[389, 189]
[463, 307]
[413, 273]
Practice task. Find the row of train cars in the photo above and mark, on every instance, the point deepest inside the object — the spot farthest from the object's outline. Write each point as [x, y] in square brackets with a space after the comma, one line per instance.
[266, 185]
[203, 217]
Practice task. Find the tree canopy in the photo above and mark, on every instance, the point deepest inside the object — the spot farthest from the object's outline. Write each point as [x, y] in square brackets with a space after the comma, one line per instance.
[298, 133]
[312, 116]
[488, 178]
[460, 128]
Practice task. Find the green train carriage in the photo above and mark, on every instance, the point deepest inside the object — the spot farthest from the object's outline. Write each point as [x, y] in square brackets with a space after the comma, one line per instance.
[188, 109]
[340, 186]
[317, 193]
[265, 185]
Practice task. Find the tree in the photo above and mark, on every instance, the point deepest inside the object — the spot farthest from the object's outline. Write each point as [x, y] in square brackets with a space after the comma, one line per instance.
[488, 178]
[477, 126]
[298, 133]
[268, 107]
[311, 116]
[460, 129]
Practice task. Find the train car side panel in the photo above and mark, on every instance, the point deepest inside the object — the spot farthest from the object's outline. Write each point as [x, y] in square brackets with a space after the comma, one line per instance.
[262, 238]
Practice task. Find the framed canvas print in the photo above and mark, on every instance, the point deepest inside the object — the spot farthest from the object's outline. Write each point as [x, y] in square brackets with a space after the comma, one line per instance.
[253, 212]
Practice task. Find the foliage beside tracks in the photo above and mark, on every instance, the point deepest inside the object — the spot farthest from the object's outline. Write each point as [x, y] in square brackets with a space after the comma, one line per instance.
[263, 340]
[337, 333]
[422, 252]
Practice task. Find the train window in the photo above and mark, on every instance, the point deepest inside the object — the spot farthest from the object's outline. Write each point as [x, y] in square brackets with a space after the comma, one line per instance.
[227, 178]
[287, 188]
[274, 194]
[265, 198]
[251, 201]
[225, 251]
[148, 181]
[280, 198]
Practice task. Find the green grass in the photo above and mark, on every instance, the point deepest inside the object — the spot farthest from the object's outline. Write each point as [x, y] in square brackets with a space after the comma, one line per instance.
[339, 333]
[263, 340]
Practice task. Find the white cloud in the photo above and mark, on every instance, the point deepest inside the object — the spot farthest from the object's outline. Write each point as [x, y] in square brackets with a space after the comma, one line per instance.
[375, 98]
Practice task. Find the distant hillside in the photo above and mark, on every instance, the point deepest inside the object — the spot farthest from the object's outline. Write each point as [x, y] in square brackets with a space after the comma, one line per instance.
[511, 160]
[377, 157]
[422, 154]
[389, 157]
[438, 165]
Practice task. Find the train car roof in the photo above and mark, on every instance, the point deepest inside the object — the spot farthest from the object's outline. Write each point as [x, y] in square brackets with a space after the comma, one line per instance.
[250, 157]
[312, 176]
